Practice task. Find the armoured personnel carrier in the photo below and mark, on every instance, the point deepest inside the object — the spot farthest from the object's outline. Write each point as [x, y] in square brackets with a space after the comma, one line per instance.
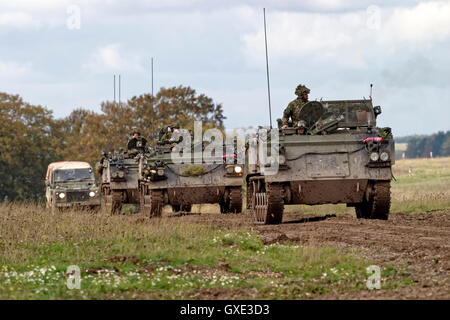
[71, 184]
[164, 182]
[342, 158]
[119, 179]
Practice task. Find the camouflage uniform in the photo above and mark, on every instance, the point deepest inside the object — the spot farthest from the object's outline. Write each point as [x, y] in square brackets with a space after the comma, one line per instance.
[136, 144]
[166, 137]
[293, 109]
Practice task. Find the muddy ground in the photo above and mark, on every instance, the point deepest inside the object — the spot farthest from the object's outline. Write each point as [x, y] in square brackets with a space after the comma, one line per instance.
[418, 243]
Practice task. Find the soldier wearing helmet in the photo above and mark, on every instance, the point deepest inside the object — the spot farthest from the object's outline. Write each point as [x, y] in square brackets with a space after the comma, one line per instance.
[301, 127]
[166, 137]
[293, 109]
[136, 143]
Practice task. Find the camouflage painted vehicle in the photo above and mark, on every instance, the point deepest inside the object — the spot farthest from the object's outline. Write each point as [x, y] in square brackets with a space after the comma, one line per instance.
[71, 184]
[342, 158]
[164, 182]
[119, 180]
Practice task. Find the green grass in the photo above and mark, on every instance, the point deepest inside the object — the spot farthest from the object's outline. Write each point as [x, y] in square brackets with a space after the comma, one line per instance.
[131, 257]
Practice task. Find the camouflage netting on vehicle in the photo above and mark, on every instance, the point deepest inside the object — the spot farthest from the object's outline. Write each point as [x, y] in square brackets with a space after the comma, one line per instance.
[194, 171]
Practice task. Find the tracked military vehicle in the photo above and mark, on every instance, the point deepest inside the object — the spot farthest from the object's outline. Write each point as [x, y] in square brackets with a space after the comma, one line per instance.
[71, 184]
[119, 180]
[164, 182]
[342, 158]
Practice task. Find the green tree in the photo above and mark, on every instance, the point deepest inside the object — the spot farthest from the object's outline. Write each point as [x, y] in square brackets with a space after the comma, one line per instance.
[27, 146]
[445, 148]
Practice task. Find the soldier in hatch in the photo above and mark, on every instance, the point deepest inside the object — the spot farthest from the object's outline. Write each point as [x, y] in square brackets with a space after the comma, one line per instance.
[136, 143]
[301, 127]
[166, 137]
[293, 109]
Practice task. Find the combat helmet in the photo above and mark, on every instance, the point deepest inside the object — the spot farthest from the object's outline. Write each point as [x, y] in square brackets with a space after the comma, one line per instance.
[301, 89]
[301, 124]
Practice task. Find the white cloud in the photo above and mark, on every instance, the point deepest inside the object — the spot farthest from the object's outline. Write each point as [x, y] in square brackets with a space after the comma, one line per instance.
[110, 58]
[14, 70]
[18, 19]
[346, 37]
[423, 24]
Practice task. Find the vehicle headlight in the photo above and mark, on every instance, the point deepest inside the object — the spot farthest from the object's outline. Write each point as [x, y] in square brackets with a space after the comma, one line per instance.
[160, 172]
[384, 156]
[230, 169]
[92, 194]
[238, 169]
[374, 156]
[121, 174]
[281, 159]
[153, 171]
[62, 195]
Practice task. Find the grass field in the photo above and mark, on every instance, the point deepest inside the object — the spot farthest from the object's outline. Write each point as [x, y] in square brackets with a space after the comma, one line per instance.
[132, 257]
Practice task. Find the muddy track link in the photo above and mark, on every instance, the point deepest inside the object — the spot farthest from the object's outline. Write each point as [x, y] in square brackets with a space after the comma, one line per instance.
[381, 200]
[115, 202]
[268, 205]
[153, 203]
[379, 205]
[249, 195]
[236, 200]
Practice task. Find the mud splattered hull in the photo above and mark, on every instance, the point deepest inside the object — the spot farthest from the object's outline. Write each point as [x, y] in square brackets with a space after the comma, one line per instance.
[326, 191]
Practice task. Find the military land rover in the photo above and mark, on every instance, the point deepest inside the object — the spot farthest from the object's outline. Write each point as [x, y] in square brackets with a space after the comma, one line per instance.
[71, 184]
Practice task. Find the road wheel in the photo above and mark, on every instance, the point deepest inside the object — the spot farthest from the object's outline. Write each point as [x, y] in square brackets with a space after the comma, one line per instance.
[267, 204]
[176, 207]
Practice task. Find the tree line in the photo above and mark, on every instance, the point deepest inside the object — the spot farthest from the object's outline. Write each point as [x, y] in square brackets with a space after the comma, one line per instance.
[31, 137]
[421, 146]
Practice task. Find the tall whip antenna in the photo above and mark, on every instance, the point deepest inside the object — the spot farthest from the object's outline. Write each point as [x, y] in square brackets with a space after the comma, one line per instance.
[119, 89]
[267, 68]
[152, 76]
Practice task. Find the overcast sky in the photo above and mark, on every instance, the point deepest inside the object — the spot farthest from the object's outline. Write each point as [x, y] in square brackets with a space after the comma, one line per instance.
[63, 54]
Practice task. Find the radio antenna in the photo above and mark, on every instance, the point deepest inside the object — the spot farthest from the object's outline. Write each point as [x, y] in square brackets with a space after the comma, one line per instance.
[371, 85]
[267, 68]
[152, 76]
[114, 88]
[119, 90]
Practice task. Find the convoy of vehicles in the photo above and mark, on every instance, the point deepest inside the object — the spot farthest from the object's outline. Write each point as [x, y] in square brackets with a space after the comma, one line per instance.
[342, 157]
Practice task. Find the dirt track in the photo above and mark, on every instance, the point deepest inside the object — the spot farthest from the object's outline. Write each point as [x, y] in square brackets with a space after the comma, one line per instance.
[418, 243]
